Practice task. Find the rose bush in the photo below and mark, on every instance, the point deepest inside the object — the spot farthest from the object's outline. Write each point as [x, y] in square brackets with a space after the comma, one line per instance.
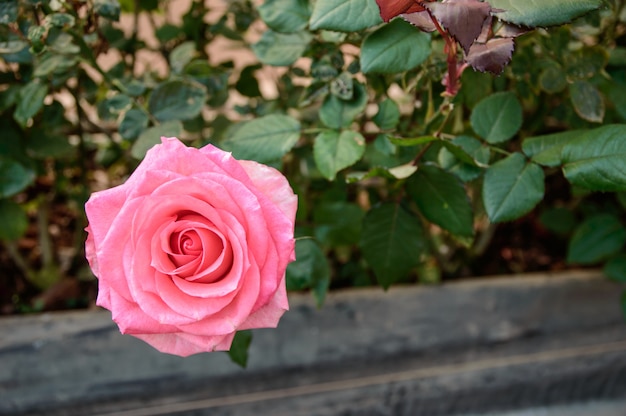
[192, 247]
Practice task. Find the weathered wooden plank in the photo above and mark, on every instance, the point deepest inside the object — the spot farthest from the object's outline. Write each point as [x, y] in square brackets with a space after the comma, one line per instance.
[78, 363]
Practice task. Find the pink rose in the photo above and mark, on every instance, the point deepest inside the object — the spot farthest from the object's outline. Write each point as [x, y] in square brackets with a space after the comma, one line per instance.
[192, 248]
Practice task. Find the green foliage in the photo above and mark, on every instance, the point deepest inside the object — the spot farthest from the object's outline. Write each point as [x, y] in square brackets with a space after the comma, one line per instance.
[395, 47]
[334, 151]
[177, 100]
[30, 101]
[14, 177]
[404, 167]
[548, 13]
[546, 150]
[337, 112]
[596, 239]
[392, 242]
[281, 49]
[13, 220]
[344, 16]
[512, 188]
[310, 270]
[238, 352]
[265, 139]
[441, 197]
[497, 118]
[615, 268]
[285, 16]
[595, 159]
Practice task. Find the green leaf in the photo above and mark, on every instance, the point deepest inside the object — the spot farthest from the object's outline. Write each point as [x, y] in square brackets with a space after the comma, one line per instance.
[615, 268]
[498, 117]
[265, 139]
[153, 135]
[13, 220]
[395, 47]
[285, 16]
[44, 143]
[587, 100]
[617, 95]
[334, 151]
[177, 100]
[181, 55]
[392, 242]
[168, 32]
[459, 153]
[52, 63]
[553, 80]
[596, 159]
[388, 115]
[134, 87]
[559, 220]
[310, 270]
[62, 20]
[238, 352]
[544, 13]
[343, 86]
[30, 101]
[133, 124]
[61, 42]
[109, 9]
[512, 188]
[474, 149]
[596, 239]
[281, 49]
[337, 223]
[337, 113]
[546, 150]
[442, 199]
[9, 96]
[8, 11]
[110, 108]
[345, 15]
[14, 177]
[247, 84]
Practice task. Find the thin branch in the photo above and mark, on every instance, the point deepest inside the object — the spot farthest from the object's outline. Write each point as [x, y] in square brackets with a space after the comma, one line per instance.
[45, 242]
[19, 260]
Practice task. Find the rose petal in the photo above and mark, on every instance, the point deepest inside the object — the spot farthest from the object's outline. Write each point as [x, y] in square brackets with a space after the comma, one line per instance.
[185, 345]
[102, 209]
[268, 315]
[273, 185]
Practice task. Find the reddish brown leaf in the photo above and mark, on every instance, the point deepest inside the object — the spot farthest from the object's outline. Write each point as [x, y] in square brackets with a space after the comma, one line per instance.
[492, 56]
[462, 18]
[485, 33]
[392, 8]
[421, 19]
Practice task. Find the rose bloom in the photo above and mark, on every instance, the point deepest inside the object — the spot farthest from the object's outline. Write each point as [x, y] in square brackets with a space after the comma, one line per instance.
[192, 248]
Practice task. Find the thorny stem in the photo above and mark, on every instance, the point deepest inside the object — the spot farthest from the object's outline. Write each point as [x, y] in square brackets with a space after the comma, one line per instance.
[452, 81]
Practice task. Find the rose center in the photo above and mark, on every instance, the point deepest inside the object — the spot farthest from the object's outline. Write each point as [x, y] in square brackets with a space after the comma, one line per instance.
[192, 248]
[195, 242]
